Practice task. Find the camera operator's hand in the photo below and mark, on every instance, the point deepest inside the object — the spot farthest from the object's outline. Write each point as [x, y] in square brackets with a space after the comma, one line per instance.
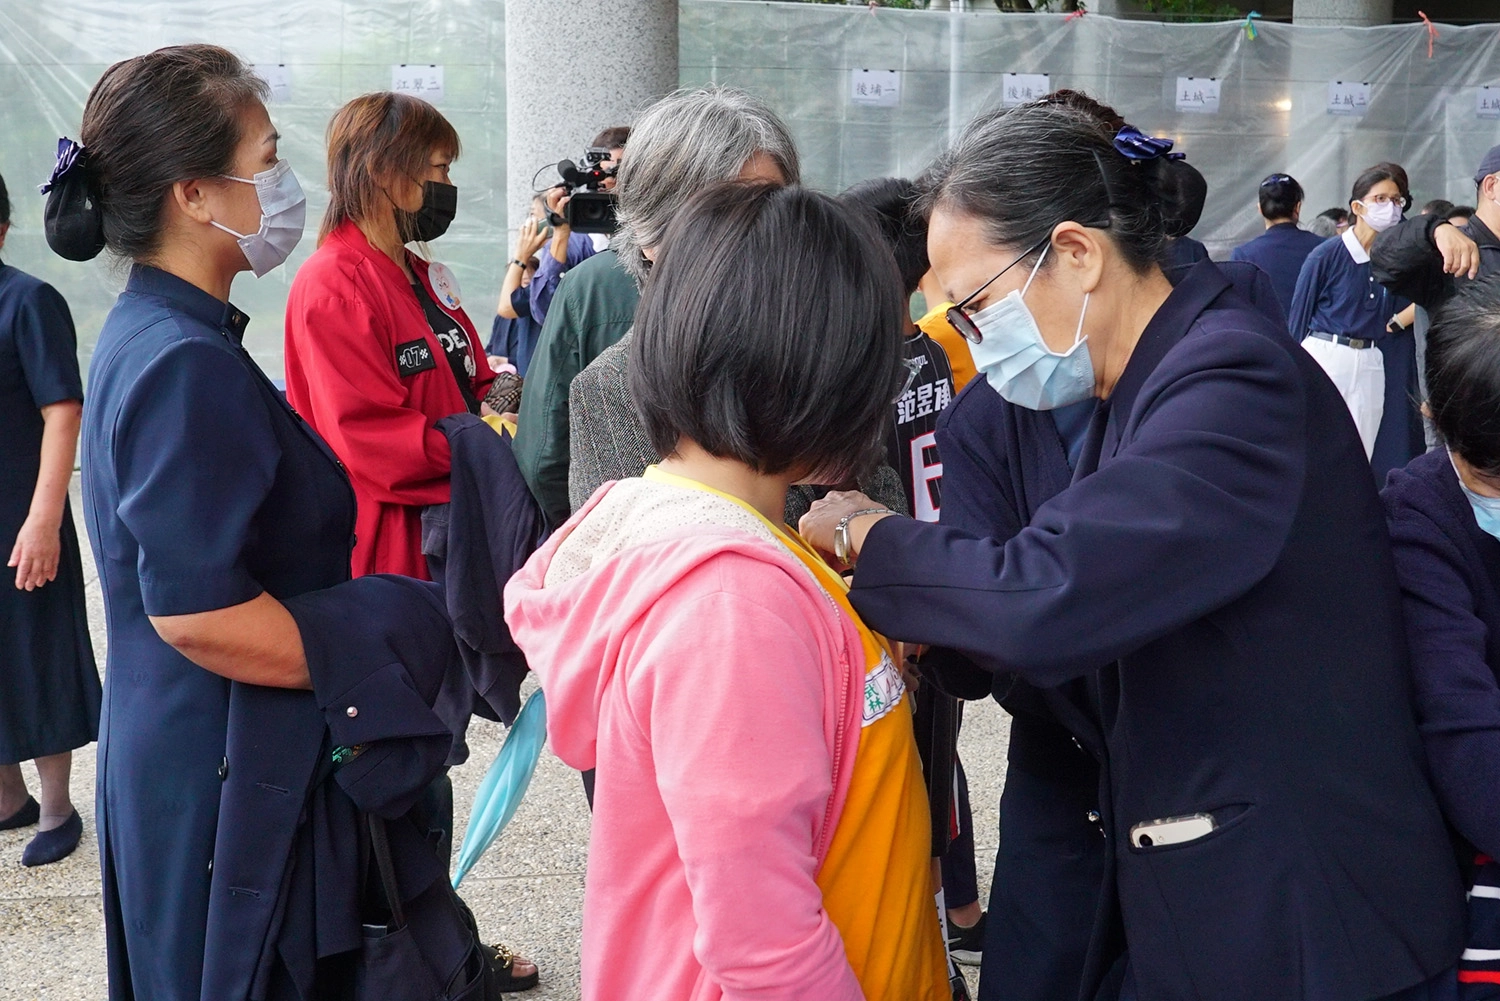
[556, 200]
[530, 240]
[557, 203]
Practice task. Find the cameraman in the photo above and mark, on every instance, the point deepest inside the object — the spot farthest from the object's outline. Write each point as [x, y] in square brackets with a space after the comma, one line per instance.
[567, 249]
[681, 145]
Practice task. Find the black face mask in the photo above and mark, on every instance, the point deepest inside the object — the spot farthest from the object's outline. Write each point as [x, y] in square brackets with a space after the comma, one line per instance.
[439, 206]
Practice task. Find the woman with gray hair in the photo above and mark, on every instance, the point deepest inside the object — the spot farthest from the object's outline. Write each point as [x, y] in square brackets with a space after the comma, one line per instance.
[681, 145]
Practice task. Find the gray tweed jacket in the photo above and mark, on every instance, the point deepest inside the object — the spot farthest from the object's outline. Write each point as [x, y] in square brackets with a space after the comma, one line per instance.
[608, 441]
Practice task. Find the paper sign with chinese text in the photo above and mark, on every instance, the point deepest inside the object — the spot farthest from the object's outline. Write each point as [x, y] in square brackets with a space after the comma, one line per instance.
[1022, 88]
[1348, 97]
[877, 88]
[423, 81]
[1487, 103]
[278, 77]
[1198, 94]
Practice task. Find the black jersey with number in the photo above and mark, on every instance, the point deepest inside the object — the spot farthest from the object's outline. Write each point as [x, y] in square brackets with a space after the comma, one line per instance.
[911, 446]
[455, 346]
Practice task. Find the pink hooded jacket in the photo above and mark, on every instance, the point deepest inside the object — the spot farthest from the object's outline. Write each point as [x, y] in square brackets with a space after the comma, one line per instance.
[716, 688]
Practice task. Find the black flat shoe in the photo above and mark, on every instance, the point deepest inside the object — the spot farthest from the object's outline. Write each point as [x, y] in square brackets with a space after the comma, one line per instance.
[54, 845]
[502, 970]
[29, 813]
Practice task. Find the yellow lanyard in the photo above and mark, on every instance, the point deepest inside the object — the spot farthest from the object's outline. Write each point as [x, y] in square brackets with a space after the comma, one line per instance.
[832, 583]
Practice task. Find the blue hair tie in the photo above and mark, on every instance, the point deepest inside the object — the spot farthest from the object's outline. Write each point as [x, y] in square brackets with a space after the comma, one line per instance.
[1135, 146]
[69, 158]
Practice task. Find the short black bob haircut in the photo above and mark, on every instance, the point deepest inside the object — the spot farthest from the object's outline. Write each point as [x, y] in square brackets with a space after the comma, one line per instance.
[4, 203]
[1279, 195]
[891, 202]
[770, 333]
[1463, 374]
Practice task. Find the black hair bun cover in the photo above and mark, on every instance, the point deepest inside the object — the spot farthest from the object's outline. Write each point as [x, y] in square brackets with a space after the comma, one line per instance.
[72, 220]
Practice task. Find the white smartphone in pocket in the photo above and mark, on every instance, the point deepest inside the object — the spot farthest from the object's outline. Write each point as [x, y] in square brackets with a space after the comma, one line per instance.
[1171, 830]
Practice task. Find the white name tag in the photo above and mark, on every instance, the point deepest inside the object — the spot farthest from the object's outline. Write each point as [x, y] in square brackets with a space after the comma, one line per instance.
[883, 690]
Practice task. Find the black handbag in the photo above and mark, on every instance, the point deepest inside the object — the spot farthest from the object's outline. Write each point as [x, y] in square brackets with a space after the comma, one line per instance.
[425, 949]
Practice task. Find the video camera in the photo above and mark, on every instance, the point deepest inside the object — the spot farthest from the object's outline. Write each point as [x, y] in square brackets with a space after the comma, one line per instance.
[590, 208]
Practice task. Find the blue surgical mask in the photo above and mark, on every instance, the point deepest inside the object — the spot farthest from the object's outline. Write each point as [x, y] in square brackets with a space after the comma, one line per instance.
[1018, 363]
[1486, 509]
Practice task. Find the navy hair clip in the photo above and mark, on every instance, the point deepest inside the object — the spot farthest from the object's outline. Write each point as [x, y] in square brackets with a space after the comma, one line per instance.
[69, 158]
[1136, 146]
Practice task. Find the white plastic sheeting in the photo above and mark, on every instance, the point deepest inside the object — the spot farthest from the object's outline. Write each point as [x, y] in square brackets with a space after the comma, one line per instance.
[51, 54]
[1272, 110]
[1273, 92]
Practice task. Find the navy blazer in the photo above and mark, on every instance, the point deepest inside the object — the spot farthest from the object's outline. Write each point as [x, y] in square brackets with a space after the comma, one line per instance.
[1450, 581]
[473, 544]
[1279, 252]
[1222, 549]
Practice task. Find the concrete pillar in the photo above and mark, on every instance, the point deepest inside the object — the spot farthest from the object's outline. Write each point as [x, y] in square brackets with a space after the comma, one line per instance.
[1341, 13]
[573, 69]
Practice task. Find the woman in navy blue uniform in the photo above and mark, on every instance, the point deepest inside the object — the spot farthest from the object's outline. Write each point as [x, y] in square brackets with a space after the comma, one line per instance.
[49, 692]
[1348, 322]
[216, 516]
[1215, 581]
[1444, 515]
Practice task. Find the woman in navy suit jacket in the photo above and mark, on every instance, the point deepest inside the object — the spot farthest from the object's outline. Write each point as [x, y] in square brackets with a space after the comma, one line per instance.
[1220, 550]
[1444, 514]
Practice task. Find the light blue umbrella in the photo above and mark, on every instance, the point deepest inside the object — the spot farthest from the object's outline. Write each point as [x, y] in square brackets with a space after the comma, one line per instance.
[504, 784]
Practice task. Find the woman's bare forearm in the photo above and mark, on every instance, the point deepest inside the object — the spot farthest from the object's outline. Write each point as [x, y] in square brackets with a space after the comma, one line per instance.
[60, 422]
[256, 642]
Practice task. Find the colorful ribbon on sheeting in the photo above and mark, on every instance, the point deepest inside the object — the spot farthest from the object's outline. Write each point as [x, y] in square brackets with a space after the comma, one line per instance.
[1250, 31]
[1075, 15]
[1431, 31]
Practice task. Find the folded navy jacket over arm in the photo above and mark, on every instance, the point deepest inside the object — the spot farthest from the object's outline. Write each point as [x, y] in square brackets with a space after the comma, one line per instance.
[378, 648]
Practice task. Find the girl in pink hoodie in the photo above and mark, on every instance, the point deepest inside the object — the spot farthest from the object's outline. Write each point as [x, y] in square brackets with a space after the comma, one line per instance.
[760, 827]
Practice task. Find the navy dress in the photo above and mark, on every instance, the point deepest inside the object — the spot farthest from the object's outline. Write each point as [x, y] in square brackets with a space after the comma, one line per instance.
[49, 690]
[201, 492]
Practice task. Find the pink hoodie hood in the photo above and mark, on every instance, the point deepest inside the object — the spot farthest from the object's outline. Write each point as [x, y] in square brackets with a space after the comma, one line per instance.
[700, 871]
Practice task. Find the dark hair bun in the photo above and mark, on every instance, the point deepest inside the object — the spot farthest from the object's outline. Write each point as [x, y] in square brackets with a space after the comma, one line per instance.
[1182, 192]
[72, 220]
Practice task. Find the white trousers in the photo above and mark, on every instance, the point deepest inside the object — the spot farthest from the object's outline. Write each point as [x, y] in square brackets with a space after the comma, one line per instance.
[1359, 376]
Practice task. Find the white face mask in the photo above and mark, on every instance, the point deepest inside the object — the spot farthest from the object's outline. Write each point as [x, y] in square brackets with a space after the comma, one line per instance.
[1018, 364]
[283, 214]
[1381, 216]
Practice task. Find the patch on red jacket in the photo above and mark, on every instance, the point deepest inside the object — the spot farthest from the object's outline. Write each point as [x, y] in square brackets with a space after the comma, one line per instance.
[413, 357]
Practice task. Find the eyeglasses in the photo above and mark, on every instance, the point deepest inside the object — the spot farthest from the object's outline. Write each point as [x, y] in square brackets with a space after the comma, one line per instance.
[963, 322]
[1276, 179]
[913, 368]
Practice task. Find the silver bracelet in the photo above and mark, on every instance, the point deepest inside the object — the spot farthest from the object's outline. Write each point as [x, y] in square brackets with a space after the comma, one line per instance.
[841, 532]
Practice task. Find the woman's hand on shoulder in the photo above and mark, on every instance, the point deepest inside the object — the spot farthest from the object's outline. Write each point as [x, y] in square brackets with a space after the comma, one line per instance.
[822, 520]
[36, 553]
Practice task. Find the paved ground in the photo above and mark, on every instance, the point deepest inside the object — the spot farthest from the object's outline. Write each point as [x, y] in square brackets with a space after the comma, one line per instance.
[527, 891]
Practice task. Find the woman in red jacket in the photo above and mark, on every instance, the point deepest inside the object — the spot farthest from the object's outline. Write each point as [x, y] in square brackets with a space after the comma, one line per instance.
[378, 348]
